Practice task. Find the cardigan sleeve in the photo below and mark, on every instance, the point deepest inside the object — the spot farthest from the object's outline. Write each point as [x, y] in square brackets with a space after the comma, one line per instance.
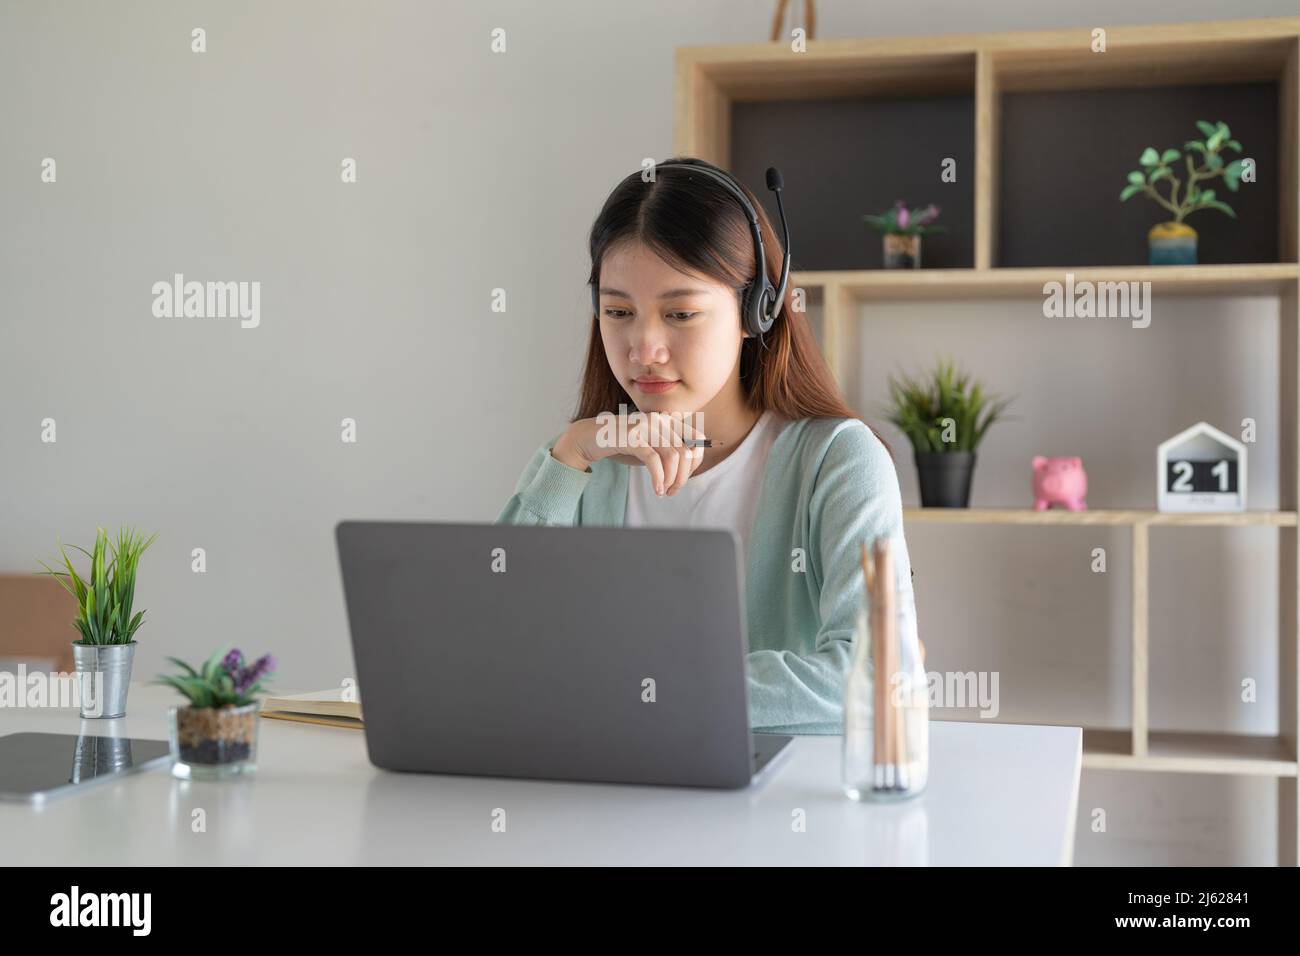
[855, 498]
[547, 492]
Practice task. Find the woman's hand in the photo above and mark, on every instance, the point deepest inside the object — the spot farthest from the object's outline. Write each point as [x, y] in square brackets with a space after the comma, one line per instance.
[652, 439]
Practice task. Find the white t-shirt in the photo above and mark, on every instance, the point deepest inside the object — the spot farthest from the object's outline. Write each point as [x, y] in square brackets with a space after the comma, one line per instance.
[725, 496]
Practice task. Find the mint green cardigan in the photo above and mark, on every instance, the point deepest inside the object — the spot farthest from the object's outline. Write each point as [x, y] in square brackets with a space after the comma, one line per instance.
[829, 484]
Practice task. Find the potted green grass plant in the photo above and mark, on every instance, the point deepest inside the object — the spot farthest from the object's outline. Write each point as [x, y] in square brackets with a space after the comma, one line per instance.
[105, 601]
[216, 735]
[1174, 242]
[945, 417]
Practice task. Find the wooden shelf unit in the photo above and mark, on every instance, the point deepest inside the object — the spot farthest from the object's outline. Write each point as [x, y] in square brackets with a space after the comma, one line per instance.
[710, 80]
[902, 285]
[1099, 516]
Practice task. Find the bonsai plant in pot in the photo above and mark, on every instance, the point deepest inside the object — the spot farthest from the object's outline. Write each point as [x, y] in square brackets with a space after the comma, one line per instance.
[216, 735]
[1174, 242]
[902, 229]
[945, 418]
[105, 652]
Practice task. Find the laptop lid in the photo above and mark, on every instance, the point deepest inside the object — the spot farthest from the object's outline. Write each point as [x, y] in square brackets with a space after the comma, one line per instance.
[575, 653]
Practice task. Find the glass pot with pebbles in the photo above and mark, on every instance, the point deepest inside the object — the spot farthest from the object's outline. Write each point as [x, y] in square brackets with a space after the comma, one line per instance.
[216, 735]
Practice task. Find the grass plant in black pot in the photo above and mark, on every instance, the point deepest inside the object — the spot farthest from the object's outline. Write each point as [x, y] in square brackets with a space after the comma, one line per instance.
[945, 417]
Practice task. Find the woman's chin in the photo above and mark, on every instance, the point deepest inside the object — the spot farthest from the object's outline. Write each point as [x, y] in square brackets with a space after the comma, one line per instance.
[676, 401]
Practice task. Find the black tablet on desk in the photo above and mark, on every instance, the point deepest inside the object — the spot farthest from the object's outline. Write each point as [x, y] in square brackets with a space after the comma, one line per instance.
[35, 767]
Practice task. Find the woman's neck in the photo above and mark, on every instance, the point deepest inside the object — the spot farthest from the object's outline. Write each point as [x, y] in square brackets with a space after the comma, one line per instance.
[726, 423]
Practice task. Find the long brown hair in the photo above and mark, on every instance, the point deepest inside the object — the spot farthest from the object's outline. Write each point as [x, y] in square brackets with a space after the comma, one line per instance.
[694, 224]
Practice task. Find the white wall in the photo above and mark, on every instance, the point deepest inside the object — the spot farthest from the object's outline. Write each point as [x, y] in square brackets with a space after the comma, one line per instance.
[478, 171]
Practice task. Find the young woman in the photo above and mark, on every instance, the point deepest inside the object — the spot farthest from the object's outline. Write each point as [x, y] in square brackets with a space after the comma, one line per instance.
[792, 469]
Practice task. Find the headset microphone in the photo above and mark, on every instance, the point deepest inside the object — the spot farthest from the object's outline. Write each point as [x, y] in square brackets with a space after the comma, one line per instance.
[775, 183]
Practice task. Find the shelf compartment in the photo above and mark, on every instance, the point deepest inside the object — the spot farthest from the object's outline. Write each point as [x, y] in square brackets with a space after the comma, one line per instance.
[845, 158]
[1189, 752]
[1080, 186]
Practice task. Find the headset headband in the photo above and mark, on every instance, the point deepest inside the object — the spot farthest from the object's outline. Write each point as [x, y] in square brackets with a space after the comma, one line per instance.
[761, 304]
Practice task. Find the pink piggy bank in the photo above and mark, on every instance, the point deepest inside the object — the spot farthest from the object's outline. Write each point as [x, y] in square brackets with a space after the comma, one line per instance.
[1060, 481]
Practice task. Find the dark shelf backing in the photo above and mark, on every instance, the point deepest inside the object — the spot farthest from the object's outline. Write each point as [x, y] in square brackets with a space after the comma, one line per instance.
[843, 158]
[1065, 156]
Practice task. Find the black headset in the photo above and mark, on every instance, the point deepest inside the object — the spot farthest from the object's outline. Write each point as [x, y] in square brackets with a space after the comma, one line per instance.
[761, 303]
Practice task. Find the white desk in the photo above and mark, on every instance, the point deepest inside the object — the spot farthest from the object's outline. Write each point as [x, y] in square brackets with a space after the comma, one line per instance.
[998, 794]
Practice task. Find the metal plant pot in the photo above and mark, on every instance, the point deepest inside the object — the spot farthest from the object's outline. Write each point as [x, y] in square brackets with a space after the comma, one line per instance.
[103, 677]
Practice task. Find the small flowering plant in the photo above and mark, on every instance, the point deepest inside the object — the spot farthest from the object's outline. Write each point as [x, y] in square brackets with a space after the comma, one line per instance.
[901, 221]
[222, 681]
[216, 736]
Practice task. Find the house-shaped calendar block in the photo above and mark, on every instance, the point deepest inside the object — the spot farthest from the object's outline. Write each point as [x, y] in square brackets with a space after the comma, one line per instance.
[1201, 469]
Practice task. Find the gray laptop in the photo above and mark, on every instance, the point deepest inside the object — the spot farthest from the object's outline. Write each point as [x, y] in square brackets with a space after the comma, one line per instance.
[614, 655]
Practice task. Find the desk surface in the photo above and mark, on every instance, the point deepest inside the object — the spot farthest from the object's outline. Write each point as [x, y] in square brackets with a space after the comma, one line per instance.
[998, 794]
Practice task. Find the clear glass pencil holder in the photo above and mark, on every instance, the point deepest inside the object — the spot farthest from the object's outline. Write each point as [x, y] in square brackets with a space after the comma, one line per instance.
[886, 709]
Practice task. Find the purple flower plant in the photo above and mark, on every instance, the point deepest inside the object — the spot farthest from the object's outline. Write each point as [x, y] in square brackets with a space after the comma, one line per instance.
[222, 681]
[906, 222]
[246, 677]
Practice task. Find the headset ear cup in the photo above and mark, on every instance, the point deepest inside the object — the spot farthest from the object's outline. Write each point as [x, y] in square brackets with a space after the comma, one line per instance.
[762, 318]
[746, 312]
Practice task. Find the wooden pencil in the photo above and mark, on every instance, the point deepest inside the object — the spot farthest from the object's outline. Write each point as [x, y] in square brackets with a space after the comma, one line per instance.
[888, 612]
[873, 635]
[886, 660]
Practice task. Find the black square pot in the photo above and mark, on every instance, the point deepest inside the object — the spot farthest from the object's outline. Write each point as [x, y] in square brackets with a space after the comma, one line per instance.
[945, 478]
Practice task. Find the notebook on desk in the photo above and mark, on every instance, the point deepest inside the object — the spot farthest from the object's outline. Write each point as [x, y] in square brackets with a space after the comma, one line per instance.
[327, 707]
